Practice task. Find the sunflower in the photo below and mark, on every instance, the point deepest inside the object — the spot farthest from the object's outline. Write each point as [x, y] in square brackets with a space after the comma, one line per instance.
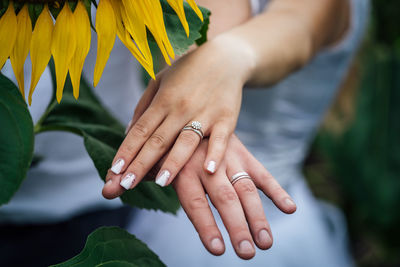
[27, 27]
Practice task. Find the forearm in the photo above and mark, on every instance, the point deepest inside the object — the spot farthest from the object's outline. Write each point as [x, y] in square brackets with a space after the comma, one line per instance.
[285, 37]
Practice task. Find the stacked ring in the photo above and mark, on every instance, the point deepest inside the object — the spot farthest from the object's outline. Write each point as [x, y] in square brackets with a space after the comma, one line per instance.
[238, 176]
[195, 126]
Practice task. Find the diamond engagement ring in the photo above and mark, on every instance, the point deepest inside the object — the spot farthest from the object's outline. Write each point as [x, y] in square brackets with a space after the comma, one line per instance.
[238, 176]
[194, 126]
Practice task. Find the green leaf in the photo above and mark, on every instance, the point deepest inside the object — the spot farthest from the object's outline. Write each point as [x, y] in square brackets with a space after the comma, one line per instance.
[176, 34]
[113, 246]
[102, 134]
[16, 139]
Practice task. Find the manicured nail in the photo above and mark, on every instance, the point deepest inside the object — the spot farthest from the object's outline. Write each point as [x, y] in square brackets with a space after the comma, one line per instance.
[217, 245]
[289, 202]
[162, 179]
[117, 166]
[264, 237]
[211, 166]
[128, 127]
[128, 181]
[246, 247]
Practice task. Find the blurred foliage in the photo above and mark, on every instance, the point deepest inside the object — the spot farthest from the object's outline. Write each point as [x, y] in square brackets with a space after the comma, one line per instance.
[359, 167]
[386, 22]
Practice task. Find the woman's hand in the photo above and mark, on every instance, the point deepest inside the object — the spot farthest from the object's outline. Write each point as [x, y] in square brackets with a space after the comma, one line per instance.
[239, 205]
[205, 86]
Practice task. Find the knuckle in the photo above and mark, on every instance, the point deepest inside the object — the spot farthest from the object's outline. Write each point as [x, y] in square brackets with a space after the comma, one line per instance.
[157, 141]
[226, 194]
[128, 150]
[276, 189]
[173, 163]
[198, 203]
[220, 138]
[241, 230]
[138, 166]
[226, 112]
[185, 104]
[140, 129]
[245, 186]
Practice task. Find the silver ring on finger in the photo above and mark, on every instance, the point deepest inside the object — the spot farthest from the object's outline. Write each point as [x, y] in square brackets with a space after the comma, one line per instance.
[194, 126]
[239, 176]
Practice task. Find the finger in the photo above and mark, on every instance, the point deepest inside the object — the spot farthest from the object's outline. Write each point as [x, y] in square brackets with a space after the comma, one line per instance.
[271, 188]
[252, 207]
[154, 148]
[183, 149]
[193, 199]
[224, 198]
[111, 188]
[217, 146]
[135, 139]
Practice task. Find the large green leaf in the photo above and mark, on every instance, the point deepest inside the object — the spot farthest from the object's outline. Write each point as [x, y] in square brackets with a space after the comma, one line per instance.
[113, 246]
[102, 135]
[16, 139]
[176, 34]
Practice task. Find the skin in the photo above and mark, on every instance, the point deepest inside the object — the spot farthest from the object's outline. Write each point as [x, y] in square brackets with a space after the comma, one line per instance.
[206, 85]
[239, 206]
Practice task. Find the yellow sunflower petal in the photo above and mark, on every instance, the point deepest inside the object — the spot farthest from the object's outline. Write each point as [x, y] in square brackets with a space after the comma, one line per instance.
[153, 18]
[8, 34]
[83, 37]
[40, 47]
[63, 46]
[195, 8]
[177, 5]
[134, 24]
[126, 39]
[106, 31]
[21, 46]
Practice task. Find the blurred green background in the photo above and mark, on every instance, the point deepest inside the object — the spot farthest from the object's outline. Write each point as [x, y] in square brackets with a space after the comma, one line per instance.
[355, 159]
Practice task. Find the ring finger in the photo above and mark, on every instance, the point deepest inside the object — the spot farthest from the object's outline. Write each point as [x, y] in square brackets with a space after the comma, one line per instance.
[184, 147]
[252, 206]
[226, 201]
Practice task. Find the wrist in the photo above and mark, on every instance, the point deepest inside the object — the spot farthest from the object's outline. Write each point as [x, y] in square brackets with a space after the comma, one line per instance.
[238, 53]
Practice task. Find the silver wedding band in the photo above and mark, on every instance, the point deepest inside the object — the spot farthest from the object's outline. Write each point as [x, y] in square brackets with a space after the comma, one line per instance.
[239, 176]
[194, 126]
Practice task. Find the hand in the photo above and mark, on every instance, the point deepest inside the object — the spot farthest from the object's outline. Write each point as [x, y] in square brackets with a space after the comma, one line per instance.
[205, 86]
[239, 205]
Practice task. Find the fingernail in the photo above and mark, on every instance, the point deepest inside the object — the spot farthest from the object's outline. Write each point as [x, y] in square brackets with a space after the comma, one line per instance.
[117, 166]
[246, 247]
[211, 166]
[289, 202]
[216, 244]
[162, 179]
[128, 181]
[128, 127]
[264, 237]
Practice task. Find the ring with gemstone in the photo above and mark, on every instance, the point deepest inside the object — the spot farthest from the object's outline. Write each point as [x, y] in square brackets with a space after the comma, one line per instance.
[238, 176]
[194, 126]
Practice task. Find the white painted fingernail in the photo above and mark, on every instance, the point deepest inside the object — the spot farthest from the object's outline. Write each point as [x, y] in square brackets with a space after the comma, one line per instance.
[162, 179]
[246, 247]
[128, 127]
[216, 244]
[117, 166]
[211, 166]
[289, 202]
[128, 181]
